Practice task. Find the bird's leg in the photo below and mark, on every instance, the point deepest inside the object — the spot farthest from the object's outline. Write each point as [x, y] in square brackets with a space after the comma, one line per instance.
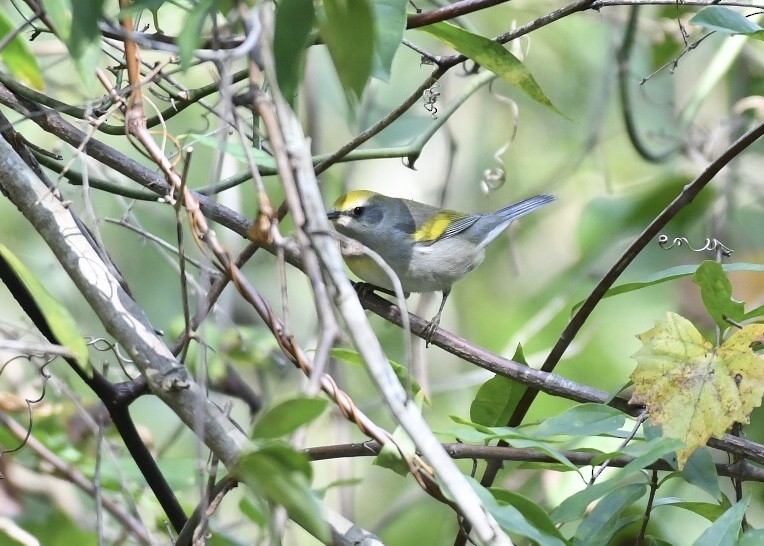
[429, 330]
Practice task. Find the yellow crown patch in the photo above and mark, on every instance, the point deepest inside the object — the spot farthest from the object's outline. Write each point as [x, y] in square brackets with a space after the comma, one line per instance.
[353, 199]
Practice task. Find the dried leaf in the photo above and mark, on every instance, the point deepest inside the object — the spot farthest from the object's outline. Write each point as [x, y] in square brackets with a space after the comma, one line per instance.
[693, 389]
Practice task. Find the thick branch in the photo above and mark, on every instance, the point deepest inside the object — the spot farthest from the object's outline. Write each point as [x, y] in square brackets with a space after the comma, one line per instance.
[119, 314]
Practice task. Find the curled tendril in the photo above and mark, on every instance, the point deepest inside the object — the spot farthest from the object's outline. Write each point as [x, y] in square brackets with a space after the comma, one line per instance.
[711, 245]
[430, 97]
[494, 178]
[103, 345]
[29, 402]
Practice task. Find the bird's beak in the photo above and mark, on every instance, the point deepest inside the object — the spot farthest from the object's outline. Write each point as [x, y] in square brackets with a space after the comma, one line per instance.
[333, 214]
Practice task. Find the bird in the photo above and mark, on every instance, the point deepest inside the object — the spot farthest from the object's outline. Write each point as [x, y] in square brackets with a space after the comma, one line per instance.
[428, 248]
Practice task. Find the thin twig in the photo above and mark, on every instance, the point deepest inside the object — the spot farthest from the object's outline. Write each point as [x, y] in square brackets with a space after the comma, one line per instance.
[71, 474]
[34, 348]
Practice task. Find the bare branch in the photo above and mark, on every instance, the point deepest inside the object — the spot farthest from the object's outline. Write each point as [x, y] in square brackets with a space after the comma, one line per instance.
[71, 474]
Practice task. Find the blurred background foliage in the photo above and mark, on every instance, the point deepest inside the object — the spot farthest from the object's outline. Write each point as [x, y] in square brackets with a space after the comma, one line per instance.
[522, 294]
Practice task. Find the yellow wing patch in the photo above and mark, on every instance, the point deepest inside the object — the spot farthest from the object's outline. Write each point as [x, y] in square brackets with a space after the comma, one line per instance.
[353, 199]
[435, 227]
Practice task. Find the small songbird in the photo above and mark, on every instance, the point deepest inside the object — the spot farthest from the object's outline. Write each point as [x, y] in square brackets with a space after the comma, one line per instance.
[429, 248]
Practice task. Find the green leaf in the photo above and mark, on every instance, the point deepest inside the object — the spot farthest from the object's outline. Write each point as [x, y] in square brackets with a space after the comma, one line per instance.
[137, 6]
[498, 397]
[469, 433]
[235, 149]
[599, 526]
[700, 471]
[576, 505]
[492, 56]
[350, 356]
[489, 433]
[495, 401]
[393, 455]
[752, 537]
[531, 511]
[625, 521]
[60, 14]
[671, 274]
[282, 475]
[653, 541]
[391, 458]
[190, 35]
[53, 527]
[513, 520]
[61, 325]
[347, 482]
[347, 28]
[76, 23]
[474, 432]
[726, 529]
[389, 24]
[85, 41]
[288, 416]
[84, 30]
[519, 355]
[707, 510]
[582, 420]
[18, 58]
[724, 20]
[716, 293]
[545, 448]
[294, 24]
[644, 454]
[754, 313]
[253, 512]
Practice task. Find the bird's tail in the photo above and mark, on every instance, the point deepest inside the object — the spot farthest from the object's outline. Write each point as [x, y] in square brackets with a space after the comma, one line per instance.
[522, 208]
[500, 220]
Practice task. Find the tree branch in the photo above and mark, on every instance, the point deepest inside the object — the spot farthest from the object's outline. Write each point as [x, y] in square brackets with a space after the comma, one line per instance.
[119, 314]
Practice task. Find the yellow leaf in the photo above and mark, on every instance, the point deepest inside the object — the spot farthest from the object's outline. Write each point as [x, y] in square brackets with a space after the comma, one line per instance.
[692, 389]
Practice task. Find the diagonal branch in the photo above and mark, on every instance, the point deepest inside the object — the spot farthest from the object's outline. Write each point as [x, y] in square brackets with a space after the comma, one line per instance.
[117, 311]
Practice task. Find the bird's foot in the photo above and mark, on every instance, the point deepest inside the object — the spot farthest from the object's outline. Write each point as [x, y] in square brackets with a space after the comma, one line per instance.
[430, 329]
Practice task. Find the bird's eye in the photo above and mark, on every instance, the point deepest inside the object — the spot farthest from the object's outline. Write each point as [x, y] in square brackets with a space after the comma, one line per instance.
[358, 211]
